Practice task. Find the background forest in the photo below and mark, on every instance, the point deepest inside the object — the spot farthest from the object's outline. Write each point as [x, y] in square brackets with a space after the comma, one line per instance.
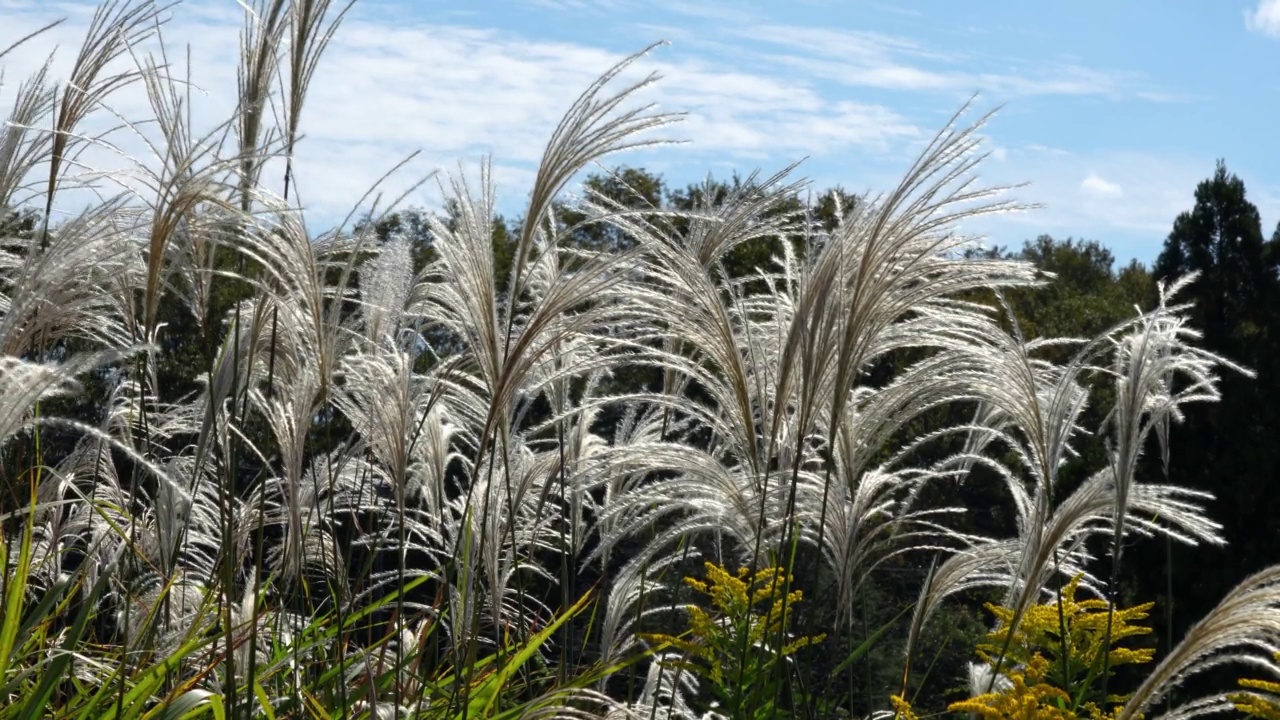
[746, 448]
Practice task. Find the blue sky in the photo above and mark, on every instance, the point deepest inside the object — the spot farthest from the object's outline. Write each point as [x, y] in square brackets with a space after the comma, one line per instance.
[1111, 111]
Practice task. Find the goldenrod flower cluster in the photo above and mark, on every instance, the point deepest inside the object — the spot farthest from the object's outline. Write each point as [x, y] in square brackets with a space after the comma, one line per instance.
[1054, 659]
[1263, 702]
[1029, 697]
[755, 604]
[1078, 655]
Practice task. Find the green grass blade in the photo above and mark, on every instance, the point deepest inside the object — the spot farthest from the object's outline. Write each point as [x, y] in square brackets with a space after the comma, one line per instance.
[486, 695]
[192, 704]
[870, 642]
[15, 591]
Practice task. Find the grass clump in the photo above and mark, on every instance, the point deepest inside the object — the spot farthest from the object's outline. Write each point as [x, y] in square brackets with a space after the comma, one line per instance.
[249, 470]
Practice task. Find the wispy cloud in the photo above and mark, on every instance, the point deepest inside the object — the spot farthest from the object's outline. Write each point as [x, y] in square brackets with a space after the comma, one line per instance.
[1265, 18]
[1095, 186]
[882, 61]
[456, 84]
[390, 86]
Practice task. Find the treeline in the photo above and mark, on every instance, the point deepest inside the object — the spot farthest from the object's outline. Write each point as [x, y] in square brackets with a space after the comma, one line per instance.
[1230, 449]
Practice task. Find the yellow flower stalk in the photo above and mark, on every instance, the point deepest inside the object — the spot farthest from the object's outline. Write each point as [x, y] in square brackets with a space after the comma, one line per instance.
[1051, 673]
[1264, 700]
[748, 612]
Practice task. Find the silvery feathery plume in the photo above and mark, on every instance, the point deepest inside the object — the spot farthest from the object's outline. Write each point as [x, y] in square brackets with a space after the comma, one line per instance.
[386, 282]
[292, 497]
[1156, 369]
[695, 335]
[100, 517]
[181, 525]
[168, 611]
[1243, 628]
[115, 28]
[981, 677]
[23, 384]
[22, 147]
[889, 257]
[261, 37]
[186, 202]
[580, 451]
[802, 343]
[400, 417]
[1025, 565]
[635, 428]
[1029, 406]
[65, 287]
[863, 509]
[1032, 407]
[396, 531]
[243, 359]
[507, 335]
[697, 493]
[305, 281]
[508, 508]
[630, 600]
[663, 696]
[502, 524]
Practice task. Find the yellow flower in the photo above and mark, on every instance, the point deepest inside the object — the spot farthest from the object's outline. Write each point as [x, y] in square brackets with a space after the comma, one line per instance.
[755, 605]
[1079, 655]
[1086, 623]
[1055, 656]
[1029, 697]
[1263, 702]
[902, 709]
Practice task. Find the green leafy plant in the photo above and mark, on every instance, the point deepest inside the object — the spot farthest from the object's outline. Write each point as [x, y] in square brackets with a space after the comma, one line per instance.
[733, 644]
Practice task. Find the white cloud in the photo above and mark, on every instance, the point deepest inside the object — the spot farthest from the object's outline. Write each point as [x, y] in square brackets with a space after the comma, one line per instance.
[1095, 186]
[877, 60]
[1265, 18]
[391, 84]
[1125, 200]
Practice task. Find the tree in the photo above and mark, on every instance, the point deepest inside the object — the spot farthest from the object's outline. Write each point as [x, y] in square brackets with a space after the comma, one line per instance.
[1227, 448]
[414, 225]
[1221, 239]
[623, 187]
[1086, 295]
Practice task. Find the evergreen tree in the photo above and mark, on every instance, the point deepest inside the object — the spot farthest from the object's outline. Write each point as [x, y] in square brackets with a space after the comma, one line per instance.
[1230, 448]
[1221, 239]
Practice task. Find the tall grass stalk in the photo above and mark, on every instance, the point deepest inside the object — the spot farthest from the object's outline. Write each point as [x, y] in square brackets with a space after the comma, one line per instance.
[374, 495]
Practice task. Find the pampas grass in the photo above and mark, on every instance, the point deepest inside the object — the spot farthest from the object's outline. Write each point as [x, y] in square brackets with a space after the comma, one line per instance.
[391, 486]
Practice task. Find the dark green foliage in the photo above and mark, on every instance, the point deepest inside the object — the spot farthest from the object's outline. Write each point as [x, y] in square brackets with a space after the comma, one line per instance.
[1086, 295]
[1084, 298]
[628, 188]
[1229, 448]
[414, 225]
[1221, 238]
[18, 223]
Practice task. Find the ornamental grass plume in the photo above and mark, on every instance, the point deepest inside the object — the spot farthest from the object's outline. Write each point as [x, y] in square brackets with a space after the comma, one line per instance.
[253, 469]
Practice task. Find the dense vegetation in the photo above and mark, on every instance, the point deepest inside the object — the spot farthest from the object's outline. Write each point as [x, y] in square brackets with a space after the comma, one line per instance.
[741, 449]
